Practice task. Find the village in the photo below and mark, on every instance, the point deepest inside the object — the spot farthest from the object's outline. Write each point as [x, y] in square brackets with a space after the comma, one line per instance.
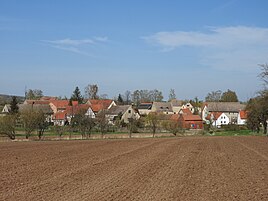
[174, 116]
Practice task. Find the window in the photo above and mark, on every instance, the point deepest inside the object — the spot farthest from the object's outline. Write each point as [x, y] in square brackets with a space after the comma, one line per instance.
[129, 111]
[221, 122]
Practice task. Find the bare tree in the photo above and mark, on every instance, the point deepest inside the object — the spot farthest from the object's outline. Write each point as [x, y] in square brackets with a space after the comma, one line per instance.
[153, 121]
[172, 95]
[7, 126]
[264, 74]
[214, 96]
[127, 97]
[34, 94]
[32, 120]
[91, 91]
[102, 122]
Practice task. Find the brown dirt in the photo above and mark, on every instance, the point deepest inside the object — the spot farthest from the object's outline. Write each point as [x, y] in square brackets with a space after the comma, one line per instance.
[190, 168]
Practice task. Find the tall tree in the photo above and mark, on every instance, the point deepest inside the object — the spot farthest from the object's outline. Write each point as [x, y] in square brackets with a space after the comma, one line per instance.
[156, 95]
[34, 94]
[32, 120]
[214, 96]
[76, 96]
[14, 105]
[172, 95]
[91, 91]
[136, 98]
[229, 96]
[127, 97]
[264, 74]
[7, 126]
[120, 100]
[153, 121]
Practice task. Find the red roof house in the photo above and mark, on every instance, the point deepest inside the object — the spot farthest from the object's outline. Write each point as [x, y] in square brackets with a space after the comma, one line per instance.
[190, 121]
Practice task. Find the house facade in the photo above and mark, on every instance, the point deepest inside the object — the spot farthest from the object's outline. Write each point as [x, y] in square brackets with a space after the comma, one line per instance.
[145, 108]
[190, 121]
[124, 112]
[230, 109]
[242, 117]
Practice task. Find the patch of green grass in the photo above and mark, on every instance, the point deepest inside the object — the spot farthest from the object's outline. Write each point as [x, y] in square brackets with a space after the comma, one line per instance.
[235, 133]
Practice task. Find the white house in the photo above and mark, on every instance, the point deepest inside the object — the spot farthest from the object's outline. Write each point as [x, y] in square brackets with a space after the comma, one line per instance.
[219, 119]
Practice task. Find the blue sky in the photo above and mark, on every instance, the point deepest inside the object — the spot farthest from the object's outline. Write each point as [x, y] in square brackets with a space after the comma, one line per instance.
[192, 46]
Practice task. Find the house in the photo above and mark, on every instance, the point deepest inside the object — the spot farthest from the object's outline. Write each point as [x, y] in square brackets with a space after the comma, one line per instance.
[64, 117]
[219, 118]
[37, 102]
[6, 109]
[43, 107]
[190, 121]
[60, 118]
[76, 109]
[100, 104]
[176, 105]
[145, 108]
[162, 107]
[185, 111]
[189, 106]
[124, 112]
[242, 117]
[231, 109]
[59, 105]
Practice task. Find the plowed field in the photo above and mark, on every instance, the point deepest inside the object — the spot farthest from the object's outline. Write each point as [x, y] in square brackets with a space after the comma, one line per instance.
[190, 168]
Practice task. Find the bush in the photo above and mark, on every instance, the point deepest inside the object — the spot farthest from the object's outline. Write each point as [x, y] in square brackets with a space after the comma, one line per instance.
[231, 127]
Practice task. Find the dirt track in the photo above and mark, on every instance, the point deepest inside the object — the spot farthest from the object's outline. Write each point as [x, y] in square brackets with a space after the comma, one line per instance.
[192, 168]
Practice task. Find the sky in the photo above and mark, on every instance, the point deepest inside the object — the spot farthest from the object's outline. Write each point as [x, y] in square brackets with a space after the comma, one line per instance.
[192, 46]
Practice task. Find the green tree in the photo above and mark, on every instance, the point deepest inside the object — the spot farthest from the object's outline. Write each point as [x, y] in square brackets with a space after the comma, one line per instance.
[7, 126]
[76, 96]
[14, 105]
[229, 96]
[120, 100]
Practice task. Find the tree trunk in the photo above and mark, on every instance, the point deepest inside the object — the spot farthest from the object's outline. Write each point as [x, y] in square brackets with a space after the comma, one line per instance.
[264, 127]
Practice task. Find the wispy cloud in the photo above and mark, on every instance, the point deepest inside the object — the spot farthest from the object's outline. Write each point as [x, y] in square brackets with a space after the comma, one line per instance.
[220, 46]
[74, 45]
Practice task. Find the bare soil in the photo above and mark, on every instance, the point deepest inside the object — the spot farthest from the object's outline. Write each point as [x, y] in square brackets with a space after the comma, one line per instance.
[188, 168]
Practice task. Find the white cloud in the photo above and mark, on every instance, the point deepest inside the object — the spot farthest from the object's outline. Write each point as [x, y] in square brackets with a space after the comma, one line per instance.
[219, 47]
[73, 45]
[71, 42]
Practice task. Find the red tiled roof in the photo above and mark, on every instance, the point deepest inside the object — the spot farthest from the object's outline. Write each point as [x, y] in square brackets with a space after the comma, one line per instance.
[60, 103]
[59, 115]
[243, 114]
[216, 115]
[192, 117]
[76, 108]
[98, 105]
[186, 111]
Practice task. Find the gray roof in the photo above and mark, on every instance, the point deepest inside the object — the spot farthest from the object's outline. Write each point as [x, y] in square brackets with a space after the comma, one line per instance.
[116, 110]
[162, 106]
[225, 106]
[145, 106]
[176, 103]
[44, 108]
